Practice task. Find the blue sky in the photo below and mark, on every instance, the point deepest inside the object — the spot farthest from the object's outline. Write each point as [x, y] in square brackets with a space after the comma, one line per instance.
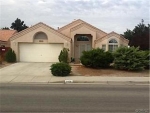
[107, 15]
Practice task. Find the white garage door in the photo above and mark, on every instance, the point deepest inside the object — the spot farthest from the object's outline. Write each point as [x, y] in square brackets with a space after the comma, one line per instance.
[39, 52]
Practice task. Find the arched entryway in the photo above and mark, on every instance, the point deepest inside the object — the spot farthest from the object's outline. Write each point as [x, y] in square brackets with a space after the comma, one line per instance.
[82, 42]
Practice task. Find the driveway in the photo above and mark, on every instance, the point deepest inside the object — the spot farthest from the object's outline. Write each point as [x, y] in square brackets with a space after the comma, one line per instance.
[26, 72]
[40, 73]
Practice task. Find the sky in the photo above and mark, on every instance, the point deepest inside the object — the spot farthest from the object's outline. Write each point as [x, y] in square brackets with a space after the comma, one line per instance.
[107, 15]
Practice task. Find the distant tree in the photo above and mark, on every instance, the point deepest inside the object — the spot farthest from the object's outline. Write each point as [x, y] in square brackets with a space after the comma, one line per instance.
[128, 35]
[139, 36]
[5, 28]
[18, 25]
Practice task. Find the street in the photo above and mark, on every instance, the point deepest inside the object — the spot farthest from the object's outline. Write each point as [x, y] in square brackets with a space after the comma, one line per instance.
[74, 98]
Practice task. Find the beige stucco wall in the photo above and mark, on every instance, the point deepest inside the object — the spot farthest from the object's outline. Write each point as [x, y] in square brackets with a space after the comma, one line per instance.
[80, 27]
[28, 38]
[106, 39]
[100, 34]
[82, 30]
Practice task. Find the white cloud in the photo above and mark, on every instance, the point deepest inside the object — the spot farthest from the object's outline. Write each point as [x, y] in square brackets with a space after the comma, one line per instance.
[108, 15]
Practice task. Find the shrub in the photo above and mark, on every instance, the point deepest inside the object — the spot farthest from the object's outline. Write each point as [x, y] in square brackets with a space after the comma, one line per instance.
[72, 59]
[60, 69]
[63, 56]
[147, 53]
[10, 56]
[96, 58]
[130, 59]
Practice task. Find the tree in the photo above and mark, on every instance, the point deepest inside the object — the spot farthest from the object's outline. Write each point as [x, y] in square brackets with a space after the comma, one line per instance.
[128, 35]
[18, 25]
[5, 28]
[139, 36]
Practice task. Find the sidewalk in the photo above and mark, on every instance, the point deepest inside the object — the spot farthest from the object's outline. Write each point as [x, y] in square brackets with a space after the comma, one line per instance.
[40, 73]
[78, 79]
[97, 79]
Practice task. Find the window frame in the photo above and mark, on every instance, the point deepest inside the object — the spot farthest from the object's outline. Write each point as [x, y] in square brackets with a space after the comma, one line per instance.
[114, 45]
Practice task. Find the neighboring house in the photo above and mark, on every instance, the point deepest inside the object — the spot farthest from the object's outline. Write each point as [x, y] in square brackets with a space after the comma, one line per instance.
[5, 40]
[5, 36]
[41, 43]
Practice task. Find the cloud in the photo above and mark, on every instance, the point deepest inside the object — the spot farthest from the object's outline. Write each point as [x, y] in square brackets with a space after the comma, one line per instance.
[108, 15]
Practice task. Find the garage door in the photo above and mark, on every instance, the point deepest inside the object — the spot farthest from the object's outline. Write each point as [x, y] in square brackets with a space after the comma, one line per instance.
[39, 52]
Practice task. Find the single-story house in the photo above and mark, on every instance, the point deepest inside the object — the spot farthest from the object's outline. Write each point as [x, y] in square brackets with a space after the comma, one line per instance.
[42, 43]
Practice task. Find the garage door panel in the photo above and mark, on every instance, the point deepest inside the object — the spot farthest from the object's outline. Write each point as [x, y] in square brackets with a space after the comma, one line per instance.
[39, 52]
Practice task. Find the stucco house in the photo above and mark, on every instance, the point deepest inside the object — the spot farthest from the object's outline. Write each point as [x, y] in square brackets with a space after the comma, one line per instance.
[5, 41]
[42, 43]
[5, 36]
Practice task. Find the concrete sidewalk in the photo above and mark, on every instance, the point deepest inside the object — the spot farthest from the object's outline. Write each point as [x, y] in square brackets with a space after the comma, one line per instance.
[77, 79]
[40, 73]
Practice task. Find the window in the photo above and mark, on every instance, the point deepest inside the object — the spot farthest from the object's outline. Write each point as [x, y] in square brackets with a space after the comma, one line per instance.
[82, 38]
[113, 45]
[113, 41]
[104, 47]
[40, 35]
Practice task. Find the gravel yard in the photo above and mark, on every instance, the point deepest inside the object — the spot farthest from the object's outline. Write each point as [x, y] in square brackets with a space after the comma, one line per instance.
[84, 71]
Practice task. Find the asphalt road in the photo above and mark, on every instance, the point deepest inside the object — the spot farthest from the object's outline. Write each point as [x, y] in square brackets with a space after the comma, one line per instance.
[74, 98]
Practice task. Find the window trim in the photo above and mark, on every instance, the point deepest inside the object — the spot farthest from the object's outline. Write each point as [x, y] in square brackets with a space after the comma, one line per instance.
[84, 37]
[36, 34]
[114, 43]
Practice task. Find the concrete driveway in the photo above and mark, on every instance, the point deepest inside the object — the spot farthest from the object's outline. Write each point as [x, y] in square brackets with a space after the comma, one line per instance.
[40, 73]
[26, 72]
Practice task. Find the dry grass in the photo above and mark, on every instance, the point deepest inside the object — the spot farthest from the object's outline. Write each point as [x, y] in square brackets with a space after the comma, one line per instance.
[84, 71]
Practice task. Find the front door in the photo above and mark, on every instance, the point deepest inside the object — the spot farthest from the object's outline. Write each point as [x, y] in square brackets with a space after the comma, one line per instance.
[84, 47]
[83, 42]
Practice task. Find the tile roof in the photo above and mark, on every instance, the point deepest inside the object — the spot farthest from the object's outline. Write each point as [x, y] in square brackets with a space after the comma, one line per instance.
[6, 34]
[77, 21]
[40, 24]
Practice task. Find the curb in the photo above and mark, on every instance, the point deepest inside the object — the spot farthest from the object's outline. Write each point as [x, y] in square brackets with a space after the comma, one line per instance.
[85, 82]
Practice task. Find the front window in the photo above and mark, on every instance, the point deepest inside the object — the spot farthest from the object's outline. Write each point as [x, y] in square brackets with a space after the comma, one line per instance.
[82, 38]
[113, 45]
[104, 47]
[40, 35]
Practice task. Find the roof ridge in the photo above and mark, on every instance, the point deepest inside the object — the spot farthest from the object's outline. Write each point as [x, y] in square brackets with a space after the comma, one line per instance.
[55, 30]
[81, 23]
[25, 30]
[34, 27]
[70, 24]
[97, 40]
[95, 27]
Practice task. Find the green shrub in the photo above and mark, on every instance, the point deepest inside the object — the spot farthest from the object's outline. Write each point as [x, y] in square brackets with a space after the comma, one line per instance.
[96, 58]
[10, 56]
[72, 59]
[60, 69]
[63, 56]
[130, 59]
[147, 53]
